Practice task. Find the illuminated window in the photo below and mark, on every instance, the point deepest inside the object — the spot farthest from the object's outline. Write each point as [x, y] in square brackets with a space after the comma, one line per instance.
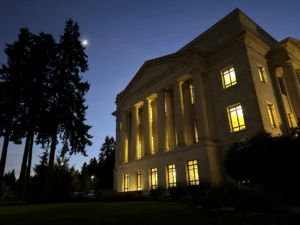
[171, 176]
[126, 151]
[236, 118]
[153, 181]
[272, 115]
[165, 107]
[126, 181]
[193, 172]
[140, 149]
[167, 140]
[262, 74]
[228, 77]
[196, 131]
[291, 119]
[139, 181]
[151, 124]
[192, 93]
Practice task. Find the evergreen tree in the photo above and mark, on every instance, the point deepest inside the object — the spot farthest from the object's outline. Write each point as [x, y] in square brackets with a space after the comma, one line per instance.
[11, 93]
[10, 179]
[67, 111]
[107, 163]
[35, 94]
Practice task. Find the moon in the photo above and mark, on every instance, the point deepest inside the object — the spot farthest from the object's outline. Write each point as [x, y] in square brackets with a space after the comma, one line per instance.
[84, 42]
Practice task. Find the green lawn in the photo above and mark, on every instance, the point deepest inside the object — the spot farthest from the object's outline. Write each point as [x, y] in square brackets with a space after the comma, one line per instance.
[13, 213]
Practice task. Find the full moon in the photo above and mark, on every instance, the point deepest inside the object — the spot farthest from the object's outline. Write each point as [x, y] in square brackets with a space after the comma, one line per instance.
[84, 42]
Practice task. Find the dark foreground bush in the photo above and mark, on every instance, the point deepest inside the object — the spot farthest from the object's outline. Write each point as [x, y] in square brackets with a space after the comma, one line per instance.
[178, 192]
[157, 194]
[240, 197]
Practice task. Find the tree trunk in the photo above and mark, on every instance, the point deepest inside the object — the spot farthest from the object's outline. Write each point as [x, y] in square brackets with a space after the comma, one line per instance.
[49, 179]
[53, 147]
[29, 158]
[23, 168]
[3, 158]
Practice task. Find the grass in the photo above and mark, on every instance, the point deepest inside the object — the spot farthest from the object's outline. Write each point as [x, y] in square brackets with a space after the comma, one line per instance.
[17, 212]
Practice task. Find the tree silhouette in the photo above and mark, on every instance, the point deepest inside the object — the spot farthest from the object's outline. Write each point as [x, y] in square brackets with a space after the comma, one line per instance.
[11, 89]
[107, 163]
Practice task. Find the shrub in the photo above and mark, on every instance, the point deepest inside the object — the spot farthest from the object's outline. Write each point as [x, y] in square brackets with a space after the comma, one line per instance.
[157, 194]
[178, 192]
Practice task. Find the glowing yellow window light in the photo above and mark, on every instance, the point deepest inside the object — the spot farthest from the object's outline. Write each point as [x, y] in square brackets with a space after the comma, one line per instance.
[126, 182]
[140, 149]
[139, 180]
[196, 131]
[172, 175]
[126, 150]
[237, 118]
[167, 140]
[229, 78]
[193, 172]
[262, 74]
[271, 112]
[192, 93]
[153, 178]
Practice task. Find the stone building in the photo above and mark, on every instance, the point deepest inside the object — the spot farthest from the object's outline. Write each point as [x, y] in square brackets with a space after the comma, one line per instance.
[180, 112]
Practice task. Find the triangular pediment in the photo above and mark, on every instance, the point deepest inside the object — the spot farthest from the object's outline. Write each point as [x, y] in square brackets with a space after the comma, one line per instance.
[226, 29]
[151, 70]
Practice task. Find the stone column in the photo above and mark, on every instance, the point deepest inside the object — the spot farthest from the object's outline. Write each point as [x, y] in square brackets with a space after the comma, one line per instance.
[147, 127]
[162, 131]
[124, 137]
[134, 133]
[293, 86]
[187, 114]
[179, 114]
[200, 107]
[170, 125]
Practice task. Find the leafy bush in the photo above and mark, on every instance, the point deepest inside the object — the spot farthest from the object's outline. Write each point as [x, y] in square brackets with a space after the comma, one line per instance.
[178, 192]
[157, 194]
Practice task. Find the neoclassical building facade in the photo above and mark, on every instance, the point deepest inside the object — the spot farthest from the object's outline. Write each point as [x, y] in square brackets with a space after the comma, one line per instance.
[180, 112]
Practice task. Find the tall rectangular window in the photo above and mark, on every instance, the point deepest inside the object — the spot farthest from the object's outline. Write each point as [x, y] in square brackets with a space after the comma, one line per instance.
[228, 77]
[171, 175]
[236, 118]
[151, 129]
[196, 131]
[139, 185]
[140, 149]
[272, 115]
[153, 180]
[262, 74]
[125, 182]
[193, 172]
[192, 93]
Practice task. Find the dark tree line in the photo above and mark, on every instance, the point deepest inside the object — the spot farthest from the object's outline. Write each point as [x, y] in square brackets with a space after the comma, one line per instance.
[67, 179]
[42, 97]
[101, 169]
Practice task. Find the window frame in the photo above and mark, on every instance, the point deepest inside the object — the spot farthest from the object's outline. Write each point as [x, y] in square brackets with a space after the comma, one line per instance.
[153, 172]
[139, 180]
[272, 115]
[262, 74]
[240, 127]
[125, 182]
[232, 83]
[171, 169]
[194, 168]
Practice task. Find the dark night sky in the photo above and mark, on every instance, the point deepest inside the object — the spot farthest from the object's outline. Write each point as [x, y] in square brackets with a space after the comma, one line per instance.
[122, 35]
